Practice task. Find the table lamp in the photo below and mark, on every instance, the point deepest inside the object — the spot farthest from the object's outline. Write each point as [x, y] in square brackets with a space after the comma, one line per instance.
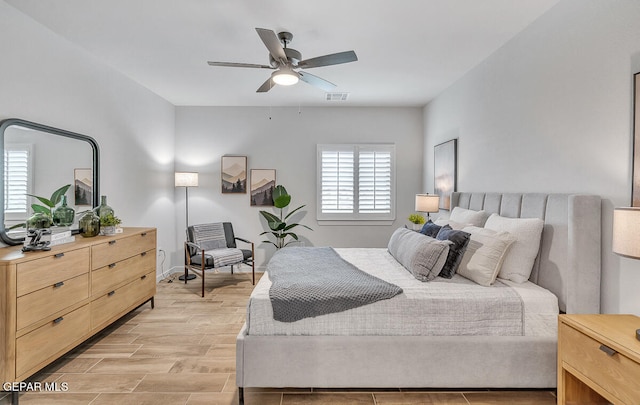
[626, 235]
[186, 180]
[427, 203]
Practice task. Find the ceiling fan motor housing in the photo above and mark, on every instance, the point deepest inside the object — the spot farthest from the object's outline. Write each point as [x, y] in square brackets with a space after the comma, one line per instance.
[293, 57]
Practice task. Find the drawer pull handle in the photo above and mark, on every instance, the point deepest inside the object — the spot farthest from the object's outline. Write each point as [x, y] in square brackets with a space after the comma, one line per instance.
[610, 352]
[143, 234]
[112, 242]
[112, 265]
[143, 254]
[110, 293]
[58, 320]
[58, 284]
[58, 255]
[143, 277]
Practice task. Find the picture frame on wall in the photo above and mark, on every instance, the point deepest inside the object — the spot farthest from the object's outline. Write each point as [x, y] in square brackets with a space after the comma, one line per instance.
[263, 182]
[234, 174]
[635, 188]
[445, 175]
[83, 187]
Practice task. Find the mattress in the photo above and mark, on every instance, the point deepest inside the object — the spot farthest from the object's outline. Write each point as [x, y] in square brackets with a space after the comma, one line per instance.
[409, 314]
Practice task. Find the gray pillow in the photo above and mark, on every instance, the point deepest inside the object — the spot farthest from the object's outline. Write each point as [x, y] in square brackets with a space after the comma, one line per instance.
[421, 255]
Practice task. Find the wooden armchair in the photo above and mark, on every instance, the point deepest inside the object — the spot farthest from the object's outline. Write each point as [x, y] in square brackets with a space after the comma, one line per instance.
[211, 246]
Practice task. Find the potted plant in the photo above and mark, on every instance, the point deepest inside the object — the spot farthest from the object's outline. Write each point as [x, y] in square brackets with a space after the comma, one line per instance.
[417, 220]
[277, 224]
[43, 214]
[108, 224]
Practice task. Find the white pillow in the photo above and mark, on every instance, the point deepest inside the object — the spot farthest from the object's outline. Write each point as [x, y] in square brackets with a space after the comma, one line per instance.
[468, 217]
[484, 255]
[519, 262]
[453, 224]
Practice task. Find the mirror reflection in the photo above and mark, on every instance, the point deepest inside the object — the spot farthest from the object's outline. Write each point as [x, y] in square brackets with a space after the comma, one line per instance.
[39, 160]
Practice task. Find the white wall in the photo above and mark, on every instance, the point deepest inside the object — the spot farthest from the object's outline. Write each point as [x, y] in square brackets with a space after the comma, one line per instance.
[287, 142]
[45, 79]
[551, 112]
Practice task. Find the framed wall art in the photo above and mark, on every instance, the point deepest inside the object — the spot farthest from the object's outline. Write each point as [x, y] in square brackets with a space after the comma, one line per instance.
[263, 181]
[234, 174]
[83, 186]
[445, 176]
[635, 188]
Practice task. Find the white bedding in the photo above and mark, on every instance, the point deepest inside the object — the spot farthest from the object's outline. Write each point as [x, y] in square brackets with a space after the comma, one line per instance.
[408, 313]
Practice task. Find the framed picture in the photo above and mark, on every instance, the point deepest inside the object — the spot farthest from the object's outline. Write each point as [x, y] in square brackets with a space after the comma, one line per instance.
[263, 181]
[83, 186]
[234, 174]
[445, 176]
[635, 192]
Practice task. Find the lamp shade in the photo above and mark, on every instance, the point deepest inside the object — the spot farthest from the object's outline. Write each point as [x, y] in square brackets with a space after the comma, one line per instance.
[186, 179]
[285, 76]
[626, 232]
[427, 203]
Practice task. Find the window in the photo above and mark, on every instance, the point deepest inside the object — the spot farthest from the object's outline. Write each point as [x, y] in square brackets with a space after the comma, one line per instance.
[356, 182]
[17, 171]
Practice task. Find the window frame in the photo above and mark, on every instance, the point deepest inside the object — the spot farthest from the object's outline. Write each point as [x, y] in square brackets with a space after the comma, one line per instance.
[20, 216]
[355, 217]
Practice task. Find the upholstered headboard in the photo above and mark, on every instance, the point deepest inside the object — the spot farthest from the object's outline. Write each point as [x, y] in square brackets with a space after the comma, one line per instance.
[568, 262]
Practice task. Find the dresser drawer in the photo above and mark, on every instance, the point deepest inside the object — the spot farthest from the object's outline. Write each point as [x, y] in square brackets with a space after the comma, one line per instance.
[113, 304]
[614, 372]
[106, 278]
[46, 271]
[119, 249]
[49, 340]
[51, 299]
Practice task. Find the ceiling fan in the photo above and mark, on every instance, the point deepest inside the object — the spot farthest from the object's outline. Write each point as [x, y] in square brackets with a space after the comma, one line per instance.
[288, 63]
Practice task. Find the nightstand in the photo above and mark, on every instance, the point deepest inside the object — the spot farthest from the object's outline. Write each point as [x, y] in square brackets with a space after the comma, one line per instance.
[598, 359]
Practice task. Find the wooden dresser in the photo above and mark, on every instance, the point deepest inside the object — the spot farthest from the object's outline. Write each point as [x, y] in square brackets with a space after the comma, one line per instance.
[598, 359]
[52, 301]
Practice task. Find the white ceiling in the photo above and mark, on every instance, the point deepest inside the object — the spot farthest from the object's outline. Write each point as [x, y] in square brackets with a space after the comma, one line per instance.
[409, 50]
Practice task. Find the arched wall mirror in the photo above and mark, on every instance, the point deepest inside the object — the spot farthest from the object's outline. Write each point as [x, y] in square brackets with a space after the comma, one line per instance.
[39, 159]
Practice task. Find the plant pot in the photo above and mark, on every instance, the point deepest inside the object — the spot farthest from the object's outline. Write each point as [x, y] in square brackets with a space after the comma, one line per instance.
[108, 230]
[417, 227]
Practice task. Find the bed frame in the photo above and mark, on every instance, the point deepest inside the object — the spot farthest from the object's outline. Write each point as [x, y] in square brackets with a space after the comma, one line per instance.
[568, 264]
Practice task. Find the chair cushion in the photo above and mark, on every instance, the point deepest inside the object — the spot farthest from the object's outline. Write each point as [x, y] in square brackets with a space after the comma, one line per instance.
[219, 258]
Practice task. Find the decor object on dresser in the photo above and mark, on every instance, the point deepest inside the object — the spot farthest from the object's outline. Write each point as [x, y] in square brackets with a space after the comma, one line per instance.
[63, 215]
[53, 301]
[263, 182]
[48, 208]
[108, 224]
[278, 225]
[234, 174]
[427, 203]
[212, 246]
[626, 241]
[445, 171]
[89, 224]
[186, 180]
[598, 359]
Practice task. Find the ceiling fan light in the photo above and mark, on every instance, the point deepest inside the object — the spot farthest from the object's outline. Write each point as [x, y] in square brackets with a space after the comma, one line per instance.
[286, 77]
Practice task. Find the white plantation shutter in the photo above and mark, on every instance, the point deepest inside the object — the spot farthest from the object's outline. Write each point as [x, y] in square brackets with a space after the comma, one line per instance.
[356, 182]
[16, 180]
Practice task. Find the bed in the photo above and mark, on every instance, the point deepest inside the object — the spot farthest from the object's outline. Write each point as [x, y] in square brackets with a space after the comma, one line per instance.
[567, 267]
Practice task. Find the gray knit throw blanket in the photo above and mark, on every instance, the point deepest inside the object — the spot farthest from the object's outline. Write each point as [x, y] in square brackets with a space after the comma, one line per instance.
[313, 281]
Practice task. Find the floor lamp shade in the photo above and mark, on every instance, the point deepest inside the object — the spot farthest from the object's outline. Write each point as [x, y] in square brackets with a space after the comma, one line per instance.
[427, 203]
[186, 179]
[626, 232]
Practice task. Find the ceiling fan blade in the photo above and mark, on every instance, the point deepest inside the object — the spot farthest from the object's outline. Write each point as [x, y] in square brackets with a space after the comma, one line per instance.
[327, 60]
[243, 65]
[316, 81]
[272, 43]
[266, 86]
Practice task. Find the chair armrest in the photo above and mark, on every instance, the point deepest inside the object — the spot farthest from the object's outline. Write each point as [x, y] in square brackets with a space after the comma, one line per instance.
[244, 240]
[193, 245]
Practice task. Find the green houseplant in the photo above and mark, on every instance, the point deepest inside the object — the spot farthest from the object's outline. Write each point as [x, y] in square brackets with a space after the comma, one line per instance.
[416, 219]
[43, 214]
[108, 223]
[278, 224]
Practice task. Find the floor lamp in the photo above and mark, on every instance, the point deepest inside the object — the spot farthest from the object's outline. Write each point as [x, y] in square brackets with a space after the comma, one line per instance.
[427, 203]
[186, 180]
[626, 240]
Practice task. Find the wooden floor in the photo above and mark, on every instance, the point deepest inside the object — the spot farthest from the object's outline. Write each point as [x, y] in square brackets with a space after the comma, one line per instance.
[183, 352]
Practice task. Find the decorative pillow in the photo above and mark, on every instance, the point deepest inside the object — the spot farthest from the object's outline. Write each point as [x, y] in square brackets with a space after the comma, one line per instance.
[484, 254]
[468, 217]
[519, 261]
[453, 224]
[421, 255]
[430, 229]
[459, 241]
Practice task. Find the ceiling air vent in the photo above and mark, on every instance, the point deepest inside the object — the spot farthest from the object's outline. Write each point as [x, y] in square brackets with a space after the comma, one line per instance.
[337, 96]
